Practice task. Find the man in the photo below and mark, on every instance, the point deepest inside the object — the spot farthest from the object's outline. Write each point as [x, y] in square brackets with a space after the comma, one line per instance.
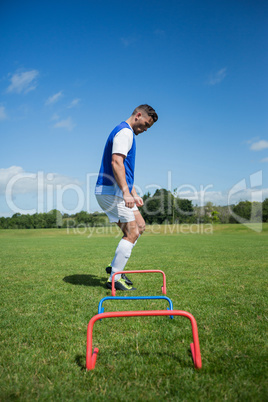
[115, 191]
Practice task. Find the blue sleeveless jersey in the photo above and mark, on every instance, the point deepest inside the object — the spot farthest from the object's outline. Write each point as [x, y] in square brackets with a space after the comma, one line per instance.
[106, 176]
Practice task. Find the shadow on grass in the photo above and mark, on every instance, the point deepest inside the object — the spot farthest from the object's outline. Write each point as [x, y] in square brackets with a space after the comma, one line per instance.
[80, 360]
[86, 280]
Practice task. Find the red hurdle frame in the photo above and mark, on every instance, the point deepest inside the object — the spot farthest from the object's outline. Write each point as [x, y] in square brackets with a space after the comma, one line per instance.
[146, 271]
[92, 357]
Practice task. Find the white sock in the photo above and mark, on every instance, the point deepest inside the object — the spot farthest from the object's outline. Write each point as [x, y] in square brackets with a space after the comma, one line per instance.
[122, 254]
[136, 241]
[134, 244]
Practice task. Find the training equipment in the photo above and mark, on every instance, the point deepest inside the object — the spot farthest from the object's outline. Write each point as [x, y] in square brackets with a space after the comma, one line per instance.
[92, 357]
[146, 271]
[101, 309]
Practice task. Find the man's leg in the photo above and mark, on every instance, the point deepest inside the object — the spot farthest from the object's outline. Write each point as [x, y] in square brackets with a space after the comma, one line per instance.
[115, 209]
[131, 232]
[125, 246]
[140, 223]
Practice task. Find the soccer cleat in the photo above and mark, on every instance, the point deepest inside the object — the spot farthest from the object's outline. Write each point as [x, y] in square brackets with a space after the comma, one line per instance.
[119, 285]
[128, 281]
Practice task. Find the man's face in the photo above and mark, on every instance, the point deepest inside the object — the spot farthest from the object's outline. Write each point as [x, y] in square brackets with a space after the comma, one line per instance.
[142, 123]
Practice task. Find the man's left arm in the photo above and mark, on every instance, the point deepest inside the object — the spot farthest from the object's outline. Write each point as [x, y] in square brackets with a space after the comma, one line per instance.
[138, 200]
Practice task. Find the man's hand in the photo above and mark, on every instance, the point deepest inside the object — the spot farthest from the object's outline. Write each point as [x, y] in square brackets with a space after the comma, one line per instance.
[129, 200]
[138, 201]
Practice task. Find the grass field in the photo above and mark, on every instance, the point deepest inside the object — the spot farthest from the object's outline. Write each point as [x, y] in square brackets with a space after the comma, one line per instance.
[52, 281]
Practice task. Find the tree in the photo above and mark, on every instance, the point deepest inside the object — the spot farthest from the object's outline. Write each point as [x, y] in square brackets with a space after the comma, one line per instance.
[53, 219]
[265, 210]
[158, 208]
[164, 207]
[247, 211]
[183, 210]
[84, 217]
[215, 216]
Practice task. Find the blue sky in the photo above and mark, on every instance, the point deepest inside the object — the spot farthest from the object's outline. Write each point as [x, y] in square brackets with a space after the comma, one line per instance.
[71, 71]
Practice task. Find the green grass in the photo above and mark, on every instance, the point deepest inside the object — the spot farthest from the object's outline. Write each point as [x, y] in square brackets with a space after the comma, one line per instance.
[52, 281]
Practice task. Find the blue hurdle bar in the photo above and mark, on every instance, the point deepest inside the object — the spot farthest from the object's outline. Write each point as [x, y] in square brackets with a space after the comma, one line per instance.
[101, 309]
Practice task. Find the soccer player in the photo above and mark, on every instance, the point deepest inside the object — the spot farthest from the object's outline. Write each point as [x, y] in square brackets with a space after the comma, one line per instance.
[115, 191]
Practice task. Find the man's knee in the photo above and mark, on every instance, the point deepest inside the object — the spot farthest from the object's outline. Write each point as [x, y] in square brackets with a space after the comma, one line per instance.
[141, 227]
[140, 222]
[135, 233]
[131, 231]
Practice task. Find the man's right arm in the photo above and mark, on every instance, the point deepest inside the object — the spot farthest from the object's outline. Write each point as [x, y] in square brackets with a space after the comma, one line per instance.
[120, 177]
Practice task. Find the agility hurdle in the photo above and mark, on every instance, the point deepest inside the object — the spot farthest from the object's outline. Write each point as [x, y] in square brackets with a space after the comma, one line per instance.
[101, 309]
[164, 290]
[92, 357]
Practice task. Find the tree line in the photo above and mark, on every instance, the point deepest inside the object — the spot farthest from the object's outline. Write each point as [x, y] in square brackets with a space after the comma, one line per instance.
[53, 219]
[161, 207]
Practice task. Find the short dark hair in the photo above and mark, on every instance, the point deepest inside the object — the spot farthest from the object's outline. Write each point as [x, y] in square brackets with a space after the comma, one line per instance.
[148, 110]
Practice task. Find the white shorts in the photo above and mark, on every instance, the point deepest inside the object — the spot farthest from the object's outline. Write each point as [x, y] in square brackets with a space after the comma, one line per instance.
[115, 208]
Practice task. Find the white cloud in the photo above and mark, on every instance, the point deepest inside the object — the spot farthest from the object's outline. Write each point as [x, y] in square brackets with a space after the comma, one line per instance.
[74, 103]
[264, 160]
[28, 193]
[55, 117]
[54, 98]
[127, 41]
[68, 124]
[259, 146]
[217, 77]
[23, 82]
[21, 182]
[249, 188]
[3, 115]
[221, 197]
[7, 174]
[22, 186]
